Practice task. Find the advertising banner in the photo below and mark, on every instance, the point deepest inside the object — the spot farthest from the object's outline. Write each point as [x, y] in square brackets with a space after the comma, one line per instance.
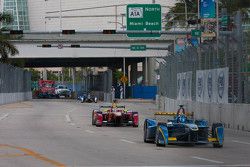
[208, 27]
[222, 85]
[212, 85]
[200, 86]
[207, 9]
[189, 85]
[180, 44]
[184, 86]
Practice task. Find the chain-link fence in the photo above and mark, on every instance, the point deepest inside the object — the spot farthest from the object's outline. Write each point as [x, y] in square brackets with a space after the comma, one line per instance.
[14, 80]
[232, 53]
[101, 85]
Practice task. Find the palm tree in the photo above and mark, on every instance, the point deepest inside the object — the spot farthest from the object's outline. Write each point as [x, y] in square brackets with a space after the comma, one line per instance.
[6, 48]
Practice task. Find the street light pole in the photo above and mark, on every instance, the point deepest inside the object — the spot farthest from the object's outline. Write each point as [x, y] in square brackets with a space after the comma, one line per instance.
[60, 4]
[186, 17]
[217, 30]
[124, 74]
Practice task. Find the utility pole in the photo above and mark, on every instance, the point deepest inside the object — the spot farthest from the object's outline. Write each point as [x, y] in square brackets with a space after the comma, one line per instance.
[60, 4]
[217, 31]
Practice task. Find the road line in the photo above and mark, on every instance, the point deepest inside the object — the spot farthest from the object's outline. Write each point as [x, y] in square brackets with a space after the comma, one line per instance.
[89, 131]
[209, 160]
[12, 155]
[127, 141]
[35, 155]
[68, 120]
[241, 142]
[4, 116]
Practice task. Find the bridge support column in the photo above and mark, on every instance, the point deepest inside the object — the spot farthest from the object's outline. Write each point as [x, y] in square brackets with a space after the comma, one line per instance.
[151, 71]
[133, 74]
[44, 74]
[73, 78]
[145, 71]
[149, 76]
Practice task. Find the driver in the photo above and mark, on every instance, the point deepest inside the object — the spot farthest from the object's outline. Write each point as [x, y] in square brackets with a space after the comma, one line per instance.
[114, 104]
[181, 117]
[181, 111]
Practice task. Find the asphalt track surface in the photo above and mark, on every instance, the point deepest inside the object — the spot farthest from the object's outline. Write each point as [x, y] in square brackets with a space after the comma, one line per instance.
[55, 133]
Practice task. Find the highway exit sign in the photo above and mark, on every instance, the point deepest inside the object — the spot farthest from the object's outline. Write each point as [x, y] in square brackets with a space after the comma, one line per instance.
[144, 17]
[138, 47]
[196, 33]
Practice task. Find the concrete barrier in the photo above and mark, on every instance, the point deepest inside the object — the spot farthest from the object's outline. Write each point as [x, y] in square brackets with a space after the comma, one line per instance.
[233, 116]
[6, 98]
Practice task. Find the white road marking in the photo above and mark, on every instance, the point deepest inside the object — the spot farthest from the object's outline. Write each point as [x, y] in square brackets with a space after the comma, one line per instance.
[68, 120]
[209, 160]
[89, 131]
[127, 141]
[237, 165]
[241, 142]
[4, 116]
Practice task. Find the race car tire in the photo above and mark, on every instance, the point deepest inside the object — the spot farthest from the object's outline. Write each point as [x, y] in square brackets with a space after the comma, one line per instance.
[217, 145]
[93, 120]
[135, 125]
[157, 138]
[145, 131]
[214, 126]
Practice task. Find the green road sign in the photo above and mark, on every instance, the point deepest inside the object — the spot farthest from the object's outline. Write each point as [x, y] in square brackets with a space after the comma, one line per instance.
[138, 47]
[144, 17]
[196, 33]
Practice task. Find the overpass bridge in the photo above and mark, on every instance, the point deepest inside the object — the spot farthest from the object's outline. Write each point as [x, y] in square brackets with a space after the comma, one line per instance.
[53, 49]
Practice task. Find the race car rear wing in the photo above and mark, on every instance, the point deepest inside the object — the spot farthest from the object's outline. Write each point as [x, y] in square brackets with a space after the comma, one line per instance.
[108, 106]
[188, 114]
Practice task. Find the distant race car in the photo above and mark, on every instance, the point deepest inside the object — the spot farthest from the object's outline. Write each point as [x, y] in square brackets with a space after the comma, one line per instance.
[87, 97]
[181, 129]
[114, 115]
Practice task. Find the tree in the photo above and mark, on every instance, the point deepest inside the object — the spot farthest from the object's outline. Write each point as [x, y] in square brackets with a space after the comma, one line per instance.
[35, 74]
[118, 75]
[51, 76]
[6, 48]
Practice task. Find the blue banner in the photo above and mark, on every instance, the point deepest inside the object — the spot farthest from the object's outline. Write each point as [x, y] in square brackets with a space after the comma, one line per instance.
[207, 9]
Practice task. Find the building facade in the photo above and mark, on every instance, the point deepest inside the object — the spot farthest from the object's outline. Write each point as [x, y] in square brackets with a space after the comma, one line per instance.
[44, 15]
[19, 11]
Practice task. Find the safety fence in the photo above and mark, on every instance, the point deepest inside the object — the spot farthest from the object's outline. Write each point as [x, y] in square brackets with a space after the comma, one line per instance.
[101, 85]
[15, 84]
[210, 71]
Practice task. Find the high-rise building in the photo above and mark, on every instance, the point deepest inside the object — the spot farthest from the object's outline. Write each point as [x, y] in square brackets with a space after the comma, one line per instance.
[83, 14]
[19, 11]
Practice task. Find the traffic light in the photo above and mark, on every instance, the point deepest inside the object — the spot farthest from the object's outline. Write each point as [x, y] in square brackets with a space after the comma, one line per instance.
[68, 31]
[75, 46]
[14, 32]
[46, 45]
[109, 31]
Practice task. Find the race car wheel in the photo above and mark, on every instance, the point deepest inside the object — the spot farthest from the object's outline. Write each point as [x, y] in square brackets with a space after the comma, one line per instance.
[145, 132]
[214, 126]
[217, 145]
[93, 117]
[157, 136]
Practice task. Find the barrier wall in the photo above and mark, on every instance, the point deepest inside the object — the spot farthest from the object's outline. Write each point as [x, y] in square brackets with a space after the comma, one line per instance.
[234, 116]
[15, 84]
[6, 98]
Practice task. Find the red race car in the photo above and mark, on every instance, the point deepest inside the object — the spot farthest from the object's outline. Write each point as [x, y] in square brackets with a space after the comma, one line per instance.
[114, 115]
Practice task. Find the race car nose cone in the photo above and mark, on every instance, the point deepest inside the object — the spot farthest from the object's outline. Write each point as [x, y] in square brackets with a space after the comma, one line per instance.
[118, 114]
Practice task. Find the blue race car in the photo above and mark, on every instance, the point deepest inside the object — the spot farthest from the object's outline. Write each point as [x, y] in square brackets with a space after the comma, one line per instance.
[182, 129]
